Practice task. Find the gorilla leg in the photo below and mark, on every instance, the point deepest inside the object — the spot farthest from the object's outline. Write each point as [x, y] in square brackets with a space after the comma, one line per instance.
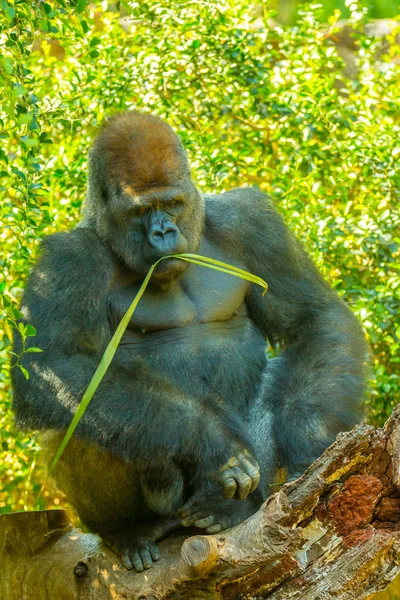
[102, 487]
[129, 505]
[209, 509]
[301, 425]
[161, 485]
[279, 431]
[261, 425]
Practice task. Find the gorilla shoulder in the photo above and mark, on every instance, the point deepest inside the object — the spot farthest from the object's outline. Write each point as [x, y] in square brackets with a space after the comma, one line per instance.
[243, 218]
[79, 253]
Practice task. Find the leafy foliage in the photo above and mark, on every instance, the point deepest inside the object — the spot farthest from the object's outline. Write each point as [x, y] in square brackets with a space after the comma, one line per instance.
[254, 105]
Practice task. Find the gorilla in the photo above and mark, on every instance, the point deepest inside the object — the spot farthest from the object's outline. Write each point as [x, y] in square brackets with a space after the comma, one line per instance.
[191, 420]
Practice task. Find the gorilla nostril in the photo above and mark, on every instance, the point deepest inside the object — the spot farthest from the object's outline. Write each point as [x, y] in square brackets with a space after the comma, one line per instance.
[164, 238]
[161, 231]
[161, 235]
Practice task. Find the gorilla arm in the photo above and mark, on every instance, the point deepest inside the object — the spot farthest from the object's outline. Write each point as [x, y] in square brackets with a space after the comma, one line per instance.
[315, 386]
[134, 413]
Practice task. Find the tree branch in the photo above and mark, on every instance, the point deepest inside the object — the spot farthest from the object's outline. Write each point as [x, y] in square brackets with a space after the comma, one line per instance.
[332, 534]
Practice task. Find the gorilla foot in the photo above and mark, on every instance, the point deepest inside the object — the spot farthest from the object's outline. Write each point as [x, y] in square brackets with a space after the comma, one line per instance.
[136, 545]
[213, 512]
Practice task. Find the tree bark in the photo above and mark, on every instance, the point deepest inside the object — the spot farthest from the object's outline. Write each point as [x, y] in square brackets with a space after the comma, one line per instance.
[332, 534]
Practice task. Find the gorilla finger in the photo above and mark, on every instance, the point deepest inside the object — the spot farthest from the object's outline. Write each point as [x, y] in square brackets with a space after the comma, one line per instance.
[252, 461]
[229, 486]
[235, 521]
[146, 559]
[155, 553]
[256, 481]
[137, 561]
[252, 470]
[189, 512]
[185, 508]
[244, 483]
[206, 522]
[126, 560]
[192, 519]
[215, 528]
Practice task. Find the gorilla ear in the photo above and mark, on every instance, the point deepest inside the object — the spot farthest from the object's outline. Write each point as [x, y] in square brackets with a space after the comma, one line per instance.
[97, 188]
[103, 192]
[97, 192]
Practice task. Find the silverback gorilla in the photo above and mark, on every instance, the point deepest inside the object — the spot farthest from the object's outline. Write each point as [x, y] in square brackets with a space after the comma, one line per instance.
[191, 420]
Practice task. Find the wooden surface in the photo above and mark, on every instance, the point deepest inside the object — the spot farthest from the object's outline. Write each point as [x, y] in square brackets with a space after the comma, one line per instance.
[332, 534]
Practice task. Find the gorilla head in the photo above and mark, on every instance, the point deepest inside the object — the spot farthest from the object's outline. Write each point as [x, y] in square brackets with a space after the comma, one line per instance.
[141, 199]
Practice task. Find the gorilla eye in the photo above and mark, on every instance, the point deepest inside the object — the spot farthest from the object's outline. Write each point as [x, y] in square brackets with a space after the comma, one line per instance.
[173, 206]
[139, 211]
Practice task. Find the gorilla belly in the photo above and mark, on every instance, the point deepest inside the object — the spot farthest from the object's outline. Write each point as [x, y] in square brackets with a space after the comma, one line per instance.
[224, 358]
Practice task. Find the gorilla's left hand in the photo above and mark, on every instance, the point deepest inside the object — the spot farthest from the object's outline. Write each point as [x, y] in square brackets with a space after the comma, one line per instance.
[240, 476]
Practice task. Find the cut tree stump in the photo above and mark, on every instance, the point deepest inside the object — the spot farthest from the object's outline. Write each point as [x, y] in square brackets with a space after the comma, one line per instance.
[333, 533]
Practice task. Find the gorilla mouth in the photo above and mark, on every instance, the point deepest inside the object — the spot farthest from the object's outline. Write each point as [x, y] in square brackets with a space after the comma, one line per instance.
[169, 266]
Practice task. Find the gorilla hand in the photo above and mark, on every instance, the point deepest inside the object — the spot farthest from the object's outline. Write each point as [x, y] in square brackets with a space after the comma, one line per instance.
[239, 476]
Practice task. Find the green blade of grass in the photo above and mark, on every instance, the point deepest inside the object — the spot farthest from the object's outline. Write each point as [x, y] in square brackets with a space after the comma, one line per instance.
[224, 268]
[207, 259]
[101, 369]
[111, 349]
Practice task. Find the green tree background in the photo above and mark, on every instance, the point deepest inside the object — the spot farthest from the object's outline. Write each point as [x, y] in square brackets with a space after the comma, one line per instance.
[255, 103]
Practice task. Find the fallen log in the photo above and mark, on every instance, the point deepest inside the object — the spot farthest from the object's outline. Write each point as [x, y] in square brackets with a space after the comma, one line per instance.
[332, 534]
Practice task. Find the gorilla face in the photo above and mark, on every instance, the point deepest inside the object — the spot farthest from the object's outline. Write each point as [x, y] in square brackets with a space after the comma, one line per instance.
[141, 228]
[141, 199]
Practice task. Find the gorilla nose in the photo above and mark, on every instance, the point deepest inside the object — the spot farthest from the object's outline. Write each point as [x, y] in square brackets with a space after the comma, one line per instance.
[164, 236]
[158, 231]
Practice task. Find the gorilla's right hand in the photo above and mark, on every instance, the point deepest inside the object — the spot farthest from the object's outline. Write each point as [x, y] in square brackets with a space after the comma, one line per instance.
[239, 476]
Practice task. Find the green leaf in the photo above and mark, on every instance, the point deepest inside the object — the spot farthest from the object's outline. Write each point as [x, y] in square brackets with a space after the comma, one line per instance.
[8, 65]
[20, 174]
[33, 124]
[29, 142]
[10, 12]
[19, 90]
[24, 118]
[33, 349]
[81, 5]
[24, 371]
[43, 25]
[30, 330]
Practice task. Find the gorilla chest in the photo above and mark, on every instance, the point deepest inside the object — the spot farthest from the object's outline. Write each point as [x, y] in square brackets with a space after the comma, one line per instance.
[201, 296]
